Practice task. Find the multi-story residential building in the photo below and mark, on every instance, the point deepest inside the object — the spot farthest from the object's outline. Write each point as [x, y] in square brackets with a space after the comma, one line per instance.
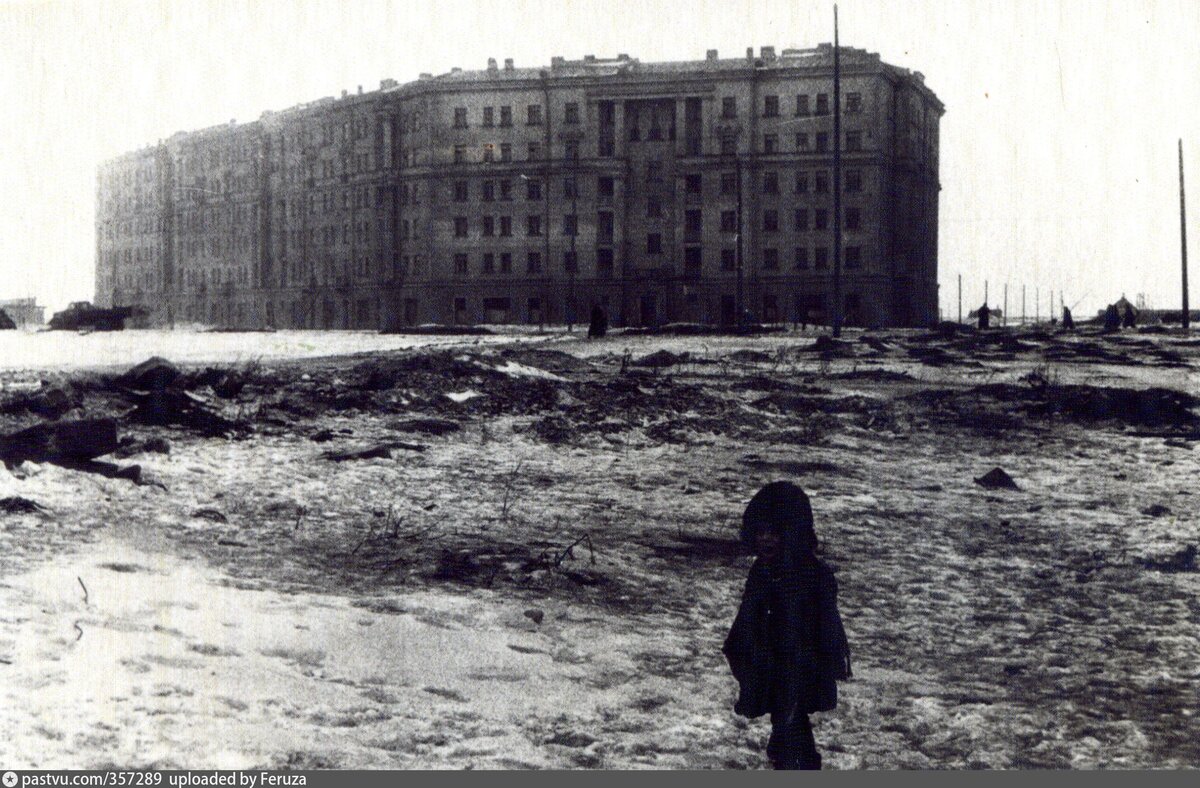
[529, 194]
[23, 311]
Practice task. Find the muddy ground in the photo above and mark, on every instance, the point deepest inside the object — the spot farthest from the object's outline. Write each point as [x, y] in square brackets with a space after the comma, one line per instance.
[539, 563]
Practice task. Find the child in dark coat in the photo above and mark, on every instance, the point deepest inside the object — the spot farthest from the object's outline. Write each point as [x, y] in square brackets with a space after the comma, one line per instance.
[787, 647]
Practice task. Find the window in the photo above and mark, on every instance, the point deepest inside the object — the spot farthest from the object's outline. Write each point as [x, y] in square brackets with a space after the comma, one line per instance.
[505, 226]
[460, 154]
[770, 183]
[771, 107]
[505, 151]
[654, 243]
[822, 103]
[460, 263]
[533, 226]
[801, 105]
[853, 256]
[653, 171]
[853, 141]
[506, 262]
[770, 259]
[571, 112]
[801, 219]
[604, 225]
[489, 191]
[570, 224]
[653, 208]
[802, 141]
[770, 221]
[489, 226]
[535, 151]
[729, 221]
[729, 146]
[821, 258]
[506, 190]
[489, 119]
[506, 116]
[852, 219]
[728, 259]
[691, 260]
[570, 262]
[460, 227]
[729, 183]
[821, 219]
[729, 107]
[822, 142]
[693, 223]
[489, 152]
[533, 114]
[854, 181]
[693, 183]
[605, 186]
[571, 150]
[853, 103]
[604, 262]
[822, 184]
[801, 182]
[770, 143]
[570, 188]
[533, 262]
[460, 117]
[801, 261]
[489, 263]
[533, 190]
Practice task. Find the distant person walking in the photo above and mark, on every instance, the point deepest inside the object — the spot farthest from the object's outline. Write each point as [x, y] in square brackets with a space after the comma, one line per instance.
[1130, 319]
[598, 325]
[1068, 322]
[787, 647]
[1112, 319]
[985, 316]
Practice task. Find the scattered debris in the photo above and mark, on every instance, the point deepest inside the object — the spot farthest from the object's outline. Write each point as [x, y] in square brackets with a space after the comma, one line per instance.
[212, 515]
[429, 425]
[1156, 510]
[535, 615]
[60, 442]
[380, 451]
[15, 504]
[997, 479]
[1183, 560]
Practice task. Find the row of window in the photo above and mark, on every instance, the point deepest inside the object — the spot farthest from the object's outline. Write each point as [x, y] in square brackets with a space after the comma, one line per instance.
[819, 260]
[533, 116]
[771, 105]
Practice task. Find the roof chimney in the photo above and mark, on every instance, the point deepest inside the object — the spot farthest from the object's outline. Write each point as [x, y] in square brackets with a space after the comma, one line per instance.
[492, 64]
[508, 64]
[750, 53]
[360, 90]
[345, 93]
[711, 55]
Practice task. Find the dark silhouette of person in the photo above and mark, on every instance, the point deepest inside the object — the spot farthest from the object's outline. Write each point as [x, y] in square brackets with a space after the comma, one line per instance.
[985, 316]
[598, 325]
[787, 647]
[1068, 322]
[1112, 319]
[1130, 320]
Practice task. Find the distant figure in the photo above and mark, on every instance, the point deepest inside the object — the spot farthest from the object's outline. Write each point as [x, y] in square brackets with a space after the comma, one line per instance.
[1130, 320]
[1112, 319]
[1068, 322]
[598, 326]
[985, 316]
[787, 647]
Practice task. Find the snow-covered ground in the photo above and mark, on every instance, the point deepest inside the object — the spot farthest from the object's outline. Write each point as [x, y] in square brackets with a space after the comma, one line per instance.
[519, 597]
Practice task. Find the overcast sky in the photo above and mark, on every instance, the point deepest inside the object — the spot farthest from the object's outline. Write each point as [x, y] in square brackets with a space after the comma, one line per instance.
[1058, 149]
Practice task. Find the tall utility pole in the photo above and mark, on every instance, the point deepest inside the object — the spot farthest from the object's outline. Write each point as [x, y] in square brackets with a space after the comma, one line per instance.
[1022, 304]
[740, 310]
[837, 181]
[985, 291]
[960, 298]
[1037, 304]
[1004, 314]
[1187, 321]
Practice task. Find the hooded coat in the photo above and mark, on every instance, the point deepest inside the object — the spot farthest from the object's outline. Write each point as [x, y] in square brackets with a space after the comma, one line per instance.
[787, 647]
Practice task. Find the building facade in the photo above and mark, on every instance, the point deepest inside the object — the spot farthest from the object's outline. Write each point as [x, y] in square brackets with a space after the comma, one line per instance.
[664, 192]
[24, 312]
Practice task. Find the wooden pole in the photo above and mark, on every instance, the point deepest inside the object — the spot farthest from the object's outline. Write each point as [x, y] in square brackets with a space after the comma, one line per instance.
[1004, 314]
[837, 181]
[1022, 304]
[960, 298]
[1187, 318]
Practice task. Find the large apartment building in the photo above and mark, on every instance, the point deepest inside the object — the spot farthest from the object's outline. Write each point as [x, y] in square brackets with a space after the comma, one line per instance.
[664, 192]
